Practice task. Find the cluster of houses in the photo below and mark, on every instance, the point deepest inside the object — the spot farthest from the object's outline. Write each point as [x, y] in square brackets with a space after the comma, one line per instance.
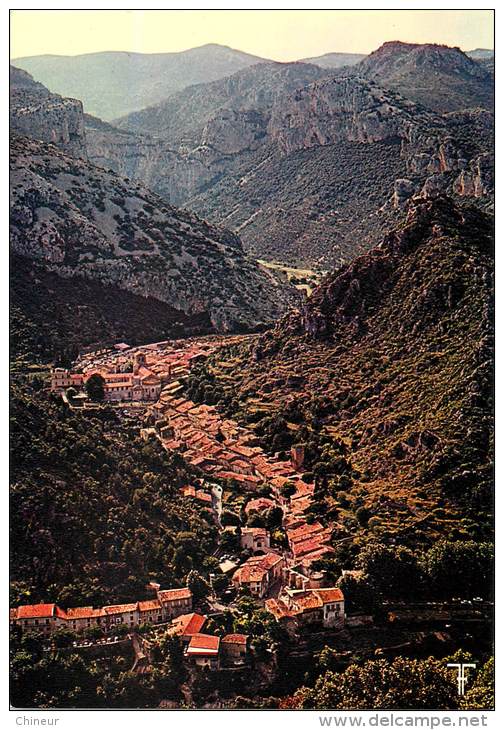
[286, 581]
[170, 606]
[207, 650]
[137, 373]
[48, 617]
[217, 445]
[225, 450]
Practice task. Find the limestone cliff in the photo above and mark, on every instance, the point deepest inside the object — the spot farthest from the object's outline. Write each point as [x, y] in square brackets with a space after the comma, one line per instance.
[80, 220]
[36, 112]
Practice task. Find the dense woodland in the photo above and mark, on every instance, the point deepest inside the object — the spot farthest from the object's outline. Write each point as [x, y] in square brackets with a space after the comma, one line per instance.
[95, 511]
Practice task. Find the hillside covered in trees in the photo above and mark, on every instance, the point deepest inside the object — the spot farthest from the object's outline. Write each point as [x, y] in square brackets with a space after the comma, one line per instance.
[95, 512]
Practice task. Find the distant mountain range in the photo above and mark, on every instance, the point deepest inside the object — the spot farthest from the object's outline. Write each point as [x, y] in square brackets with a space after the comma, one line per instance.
[335, 60]
[112, 84]
[481, 53]
[309, 164]
[275, 151]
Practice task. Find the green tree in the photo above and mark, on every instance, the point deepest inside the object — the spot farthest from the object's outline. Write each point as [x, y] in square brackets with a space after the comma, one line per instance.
[197, 585]
[404, 684]
[459, 568]
[392, 571]
[95, 388]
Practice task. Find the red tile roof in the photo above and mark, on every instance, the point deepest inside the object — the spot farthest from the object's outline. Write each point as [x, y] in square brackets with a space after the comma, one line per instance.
[277, 608]
[188, 624]
[174, 594]
[306, 602]
[152, 605]
[235, 639]
[120, 608]
[249, 574]
[83, 612]
[266, 562]
[203, 645]
[330, 595]
[302, 532]
[38, 610]
[259, 504]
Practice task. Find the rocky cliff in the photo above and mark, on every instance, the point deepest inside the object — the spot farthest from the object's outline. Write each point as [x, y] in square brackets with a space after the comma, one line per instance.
[309, 165]
[339, 157]
[181, 119]
[80, 220]
[181, 147]
[36, 112]
[440, 152]
[175, 175]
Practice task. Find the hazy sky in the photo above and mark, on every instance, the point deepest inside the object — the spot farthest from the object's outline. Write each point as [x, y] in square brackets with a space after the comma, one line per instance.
[283, 35]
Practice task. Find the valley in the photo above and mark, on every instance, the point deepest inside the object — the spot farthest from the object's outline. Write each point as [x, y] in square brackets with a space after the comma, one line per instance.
[252, 379]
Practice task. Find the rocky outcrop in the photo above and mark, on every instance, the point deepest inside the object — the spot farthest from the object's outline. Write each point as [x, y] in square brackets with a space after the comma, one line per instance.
[333, 110]
[80, 220]
[435, 151]
[182, 117]
[439, 77]
[37, 113]
[231, 132]
[176, 175]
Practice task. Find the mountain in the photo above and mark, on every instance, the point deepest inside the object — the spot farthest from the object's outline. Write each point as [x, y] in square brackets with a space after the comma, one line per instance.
[78, 220]
[389, 364]
[485, 57]
[275, 152]
[111, 84]
[181, 147]
[335, 60]
[36, 112]
[439, 77]
[191, 116]
[340, 158]
[481, 54]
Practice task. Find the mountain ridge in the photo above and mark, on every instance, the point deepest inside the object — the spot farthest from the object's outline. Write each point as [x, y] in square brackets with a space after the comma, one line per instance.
[79, 220]
[112, 83]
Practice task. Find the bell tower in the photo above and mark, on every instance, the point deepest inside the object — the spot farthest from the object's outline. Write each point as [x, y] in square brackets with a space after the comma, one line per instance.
[138, 361]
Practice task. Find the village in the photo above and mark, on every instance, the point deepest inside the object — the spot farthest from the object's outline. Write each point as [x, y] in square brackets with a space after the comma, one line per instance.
[227, 453]
[281, 576]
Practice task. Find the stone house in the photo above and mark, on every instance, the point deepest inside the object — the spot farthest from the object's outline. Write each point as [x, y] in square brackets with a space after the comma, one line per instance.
[259, 572]
[234, 648]
[203, 650]
[325, 606]
[175, 602]
[43, 617]
[254, 538]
